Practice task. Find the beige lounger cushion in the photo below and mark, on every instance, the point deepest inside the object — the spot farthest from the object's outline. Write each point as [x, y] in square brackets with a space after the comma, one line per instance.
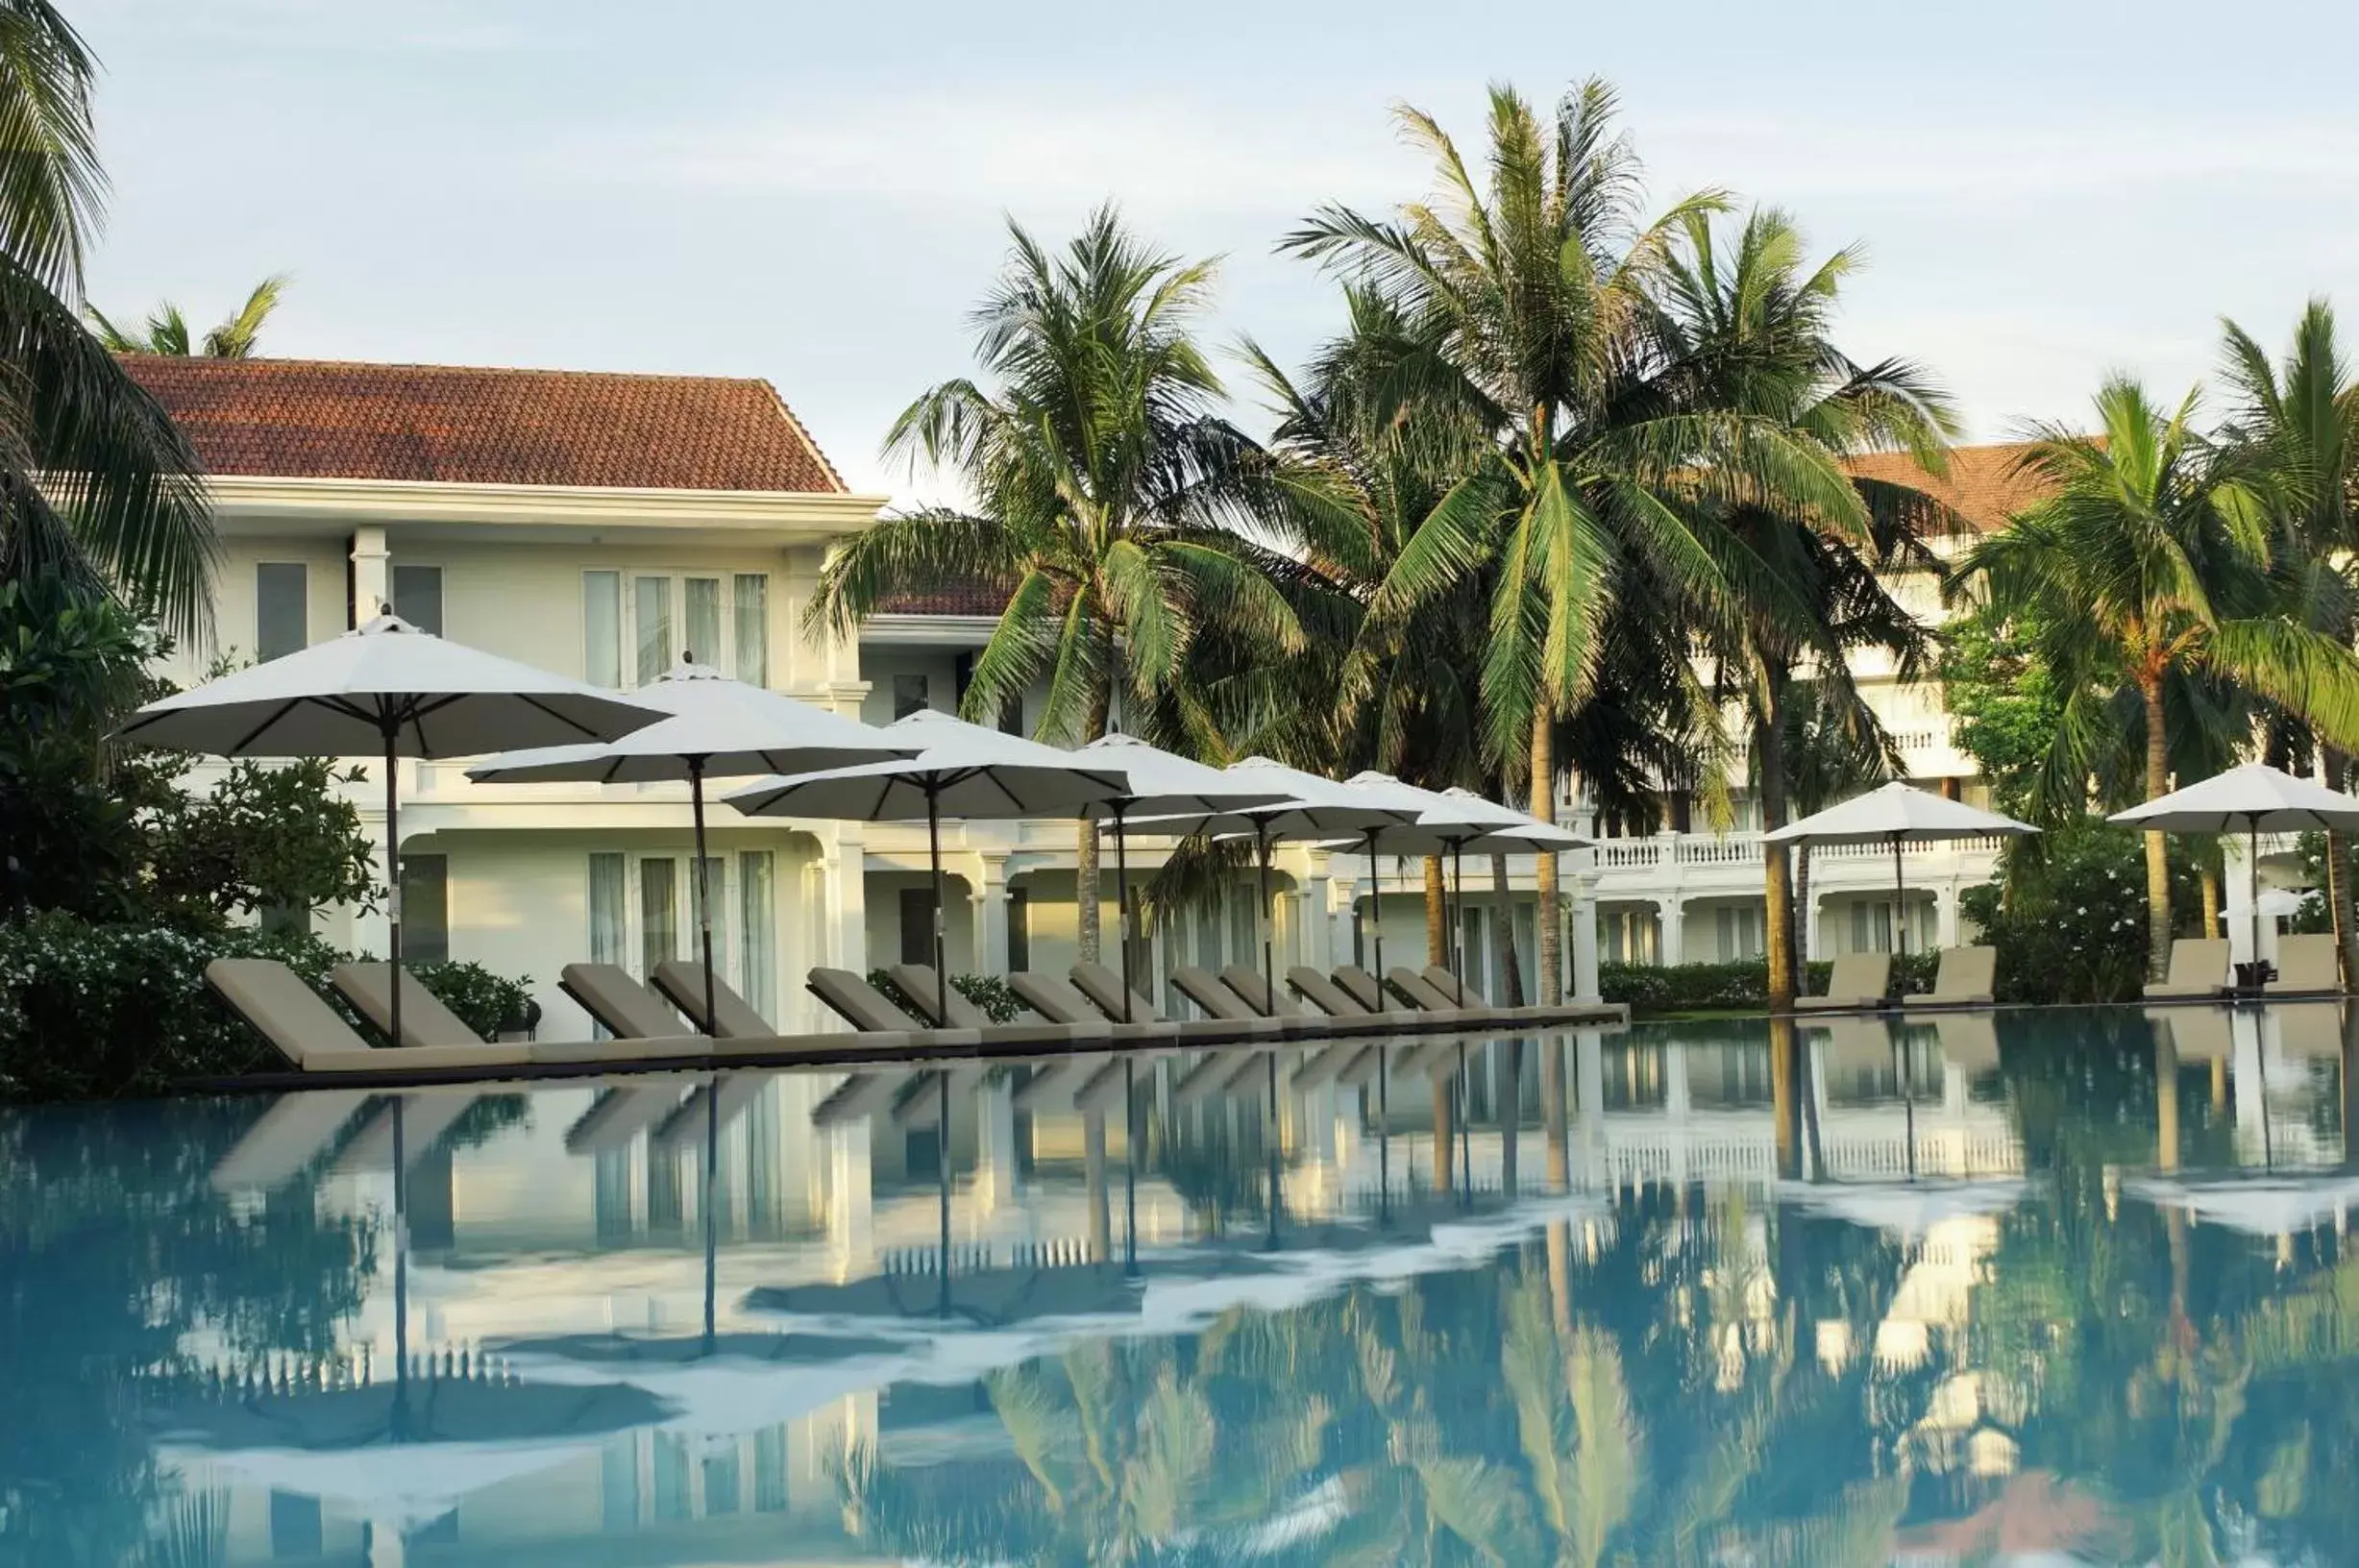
[284, 1011]
[1255, 995]
[1324, 993]
[860, 1004]
[608, 993]
[422, 1059]
[2306, 964]
[1858, 980]
[1362, 988]
[2199, 967]
[1053, 997]
[1104, 987]
[619, 1116]
[621, 1048]
[1208, 993]
[1454, 988]
[1963, 977]
[681, 981]
[929, 996]
[1413, 987]
[424, 1020]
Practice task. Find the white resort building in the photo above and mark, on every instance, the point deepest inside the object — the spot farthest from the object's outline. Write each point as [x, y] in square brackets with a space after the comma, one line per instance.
[606, 525]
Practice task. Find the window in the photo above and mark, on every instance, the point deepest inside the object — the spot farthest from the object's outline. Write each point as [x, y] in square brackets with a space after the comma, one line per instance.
[704, 645]
[1018, 930]
[659, 905]
[908, 696]
[758, 930]
[917, 926]
[602, 627]
[651, 607]
[426, 909]
[1738, 930]
[752, 628]
[417, 596]
[281, 618]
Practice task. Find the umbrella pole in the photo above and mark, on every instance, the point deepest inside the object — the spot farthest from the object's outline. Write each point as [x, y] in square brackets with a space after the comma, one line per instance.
[2252, 888]
[704, 896]
[1376, 916]
[393, 872]
[1900, 902]
[1121, 899]
[1457, 919]
[712, 1177]
[941, 966]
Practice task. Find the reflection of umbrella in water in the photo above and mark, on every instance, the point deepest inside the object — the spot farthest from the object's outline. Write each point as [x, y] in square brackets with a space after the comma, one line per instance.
[2273, 1205]
[1906, 1209]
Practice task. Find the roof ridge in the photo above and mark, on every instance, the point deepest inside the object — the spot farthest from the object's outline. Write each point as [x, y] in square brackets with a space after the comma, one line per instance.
[250, 361]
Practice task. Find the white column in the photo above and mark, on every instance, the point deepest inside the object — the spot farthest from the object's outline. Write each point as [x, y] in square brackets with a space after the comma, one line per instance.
[1317, 939]
[1673, 919]
[845, 877]
[372, 929]
[1812, 943]
[1584, 938]
[990, 899]
[1343, 902]
[1945, 916]
[371, 578]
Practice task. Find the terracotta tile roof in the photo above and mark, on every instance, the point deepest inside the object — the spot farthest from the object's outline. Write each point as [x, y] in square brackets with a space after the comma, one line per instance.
[461, 425]
[967, 598]
[1982, 485]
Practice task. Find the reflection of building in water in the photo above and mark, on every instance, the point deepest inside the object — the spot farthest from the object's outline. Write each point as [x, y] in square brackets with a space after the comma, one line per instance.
[572, 1245]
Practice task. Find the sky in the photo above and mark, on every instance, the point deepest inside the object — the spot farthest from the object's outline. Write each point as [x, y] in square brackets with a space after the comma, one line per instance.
[818, 194]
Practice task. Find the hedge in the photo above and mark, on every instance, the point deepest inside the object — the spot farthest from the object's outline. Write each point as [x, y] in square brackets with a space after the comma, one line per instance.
[1739, 986]
[98, 1010]
[987, 992]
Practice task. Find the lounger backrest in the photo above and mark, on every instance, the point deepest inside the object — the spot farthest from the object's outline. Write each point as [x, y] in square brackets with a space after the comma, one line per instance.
[284, 1011]
[424, 1020]
[1053, 997]
[2306, 963]
[1453, 986]
[860, 1004]
[1966, 971]
[1417, 991]
[1860, 975]
[1206, 991]
[681, 982]
[1247, 984]
[1324, 993]
[2199, 961]
[624, 1007]
[1103, 987]
[1361, 987]
[926, 994]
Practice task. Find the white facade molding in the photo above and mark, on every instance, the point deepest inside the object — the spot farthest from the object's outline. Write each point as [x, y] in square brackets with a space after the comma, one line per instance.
[344, 503]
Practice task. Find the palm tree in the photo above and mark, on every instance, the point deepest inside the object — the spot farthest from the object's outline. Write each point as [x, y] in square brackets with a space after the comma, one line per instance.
[97, 488]
[2147, 564]
[2300, 424]
[166, 331]
[1106, 489]
[1826, 752]
[1595, 468]
[1755, 321]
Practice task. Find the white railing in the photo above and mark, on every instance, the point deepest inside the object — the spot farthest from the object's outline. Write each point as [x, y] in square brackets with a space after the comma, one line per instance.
[1745, 849]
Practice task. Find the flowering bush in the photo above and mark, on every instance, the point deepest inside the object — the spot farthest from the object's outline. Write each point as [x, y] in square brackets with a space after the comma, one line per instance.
[2068, 913]
[987, 992]
[97, 1011]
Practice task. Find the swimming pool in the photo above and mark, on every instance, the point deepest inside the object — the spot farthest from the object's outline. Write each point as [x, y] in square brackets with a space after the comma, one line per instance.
[1975, 1290]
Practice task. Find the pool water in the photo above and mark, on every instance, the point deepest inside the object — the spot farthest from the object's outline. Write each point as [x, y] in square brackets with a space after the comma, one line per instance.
[2032, 1287]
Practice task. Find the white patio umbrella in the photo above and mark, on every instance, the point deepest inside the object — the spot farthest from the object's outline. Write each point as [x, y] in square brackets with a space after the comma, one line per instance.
[961, 771]
[717, 729]
[1457, 819]
[1897, 813]
[1164, 784]
[388, 690]
[2255, 799]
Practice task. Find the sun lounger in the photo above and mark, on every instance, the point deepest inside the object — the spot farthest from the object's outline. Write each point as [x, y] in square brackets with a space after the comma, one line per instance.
[295, 1131]
[2199, 1034]
[1963, 977]
[2307, 967]
[621, 1005]
[421, 1119]
[424, 1022]
[1362, 987]
[1331, 998]
[1423, 994]
[1247, 987]
[1857, 983]
[731, 1096]
[682, 982]
[859, 1096]
[1103, 989]
[1060, 1001]
[922, 1105]
[2199, 971]
[1454, 990]
[314, 1036]
[1223, 1005]
[866, 1009]
[917, 982]
[1362, 1068]
[1213, 1074]
[1322, 1065]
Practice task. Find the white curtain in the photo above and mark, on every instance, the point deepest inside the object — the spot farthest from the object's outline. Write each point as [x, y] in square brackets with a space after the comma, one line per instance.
[757, 937]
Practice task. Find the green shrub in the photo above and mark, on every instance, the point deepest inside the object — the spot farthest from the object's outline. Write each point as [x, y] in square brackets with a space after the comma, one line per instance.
[2068, 913]
[98, 1010]
[1739, 986]
[987, 992]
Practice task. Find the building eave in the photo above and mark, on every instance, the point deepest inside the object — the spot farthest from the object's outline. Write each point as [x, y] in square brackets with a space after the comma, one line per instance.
[817, 515]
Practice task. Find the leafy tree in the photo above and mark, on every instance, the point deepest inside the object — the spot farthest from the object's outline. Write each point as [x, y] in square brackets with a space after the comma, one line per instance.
[2149, 562]
[167, 330]
[96, 485]
[1598, 465]
[1105, 484]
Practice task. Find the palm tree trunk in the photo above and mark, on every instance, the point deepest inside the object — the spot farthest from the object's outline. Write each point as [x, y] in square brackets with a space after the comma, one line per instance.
[1512, 969]
[2337, 873]
[2208, 880]
[1437, 913]
[1086, 870]
[2157, 852]
[1548, 922]
[1778, 889]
